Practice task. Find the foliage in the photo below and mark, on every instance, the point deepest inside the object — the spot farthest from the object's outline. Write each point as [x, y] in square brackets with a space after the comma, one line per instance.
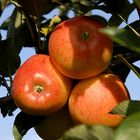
[28, 26]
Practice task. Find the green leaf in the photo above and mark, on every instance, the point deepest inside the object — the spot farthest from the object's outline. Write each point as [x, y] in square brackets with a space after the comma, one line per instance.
[23, 122]
[129, 129]
[124, 37]
[9, 58]
[127, 108]
[88, 132]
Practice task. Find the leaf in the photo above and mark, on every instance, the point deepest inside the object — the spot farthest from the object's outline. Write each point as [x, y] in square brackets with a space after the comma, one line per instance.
[117, 5]
[103, 8]
[4, 3]
[137, 68]
[129, 65]
[136, 25]
[23, 122]
[7, 106]
[17, 29]
[116, 63]
[9, 58]
[5, 24]
[37, 7]
[55, 20]
[137, 3]
[88, 132]
[127, 108]
[122, 73]
[115, 19]
[124, 37]
[129, 129]
[1, 81]
[82, 2]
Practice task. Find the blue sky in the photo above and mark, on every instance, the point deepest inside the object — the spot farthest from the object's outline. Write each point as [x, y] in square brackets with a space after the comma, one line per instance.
[6, 124]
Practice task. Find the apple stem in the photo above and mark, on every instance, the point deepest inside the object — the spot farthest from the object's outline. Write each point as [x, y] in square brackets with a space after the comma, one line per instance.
[85, 35]
[38, 88]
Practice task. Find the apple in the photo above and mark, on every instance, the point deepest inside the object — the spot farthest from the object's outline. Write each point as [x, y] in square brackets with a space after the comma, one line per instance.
[53, 126]
[92, 99]
[78, 49]
[39, 88]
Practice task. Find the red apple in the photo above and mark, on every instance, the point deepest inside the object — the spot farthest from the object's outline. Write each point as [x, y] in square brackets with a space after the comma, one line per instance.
[39, 88]
[53, 126]
[78, 49]
[92, 99]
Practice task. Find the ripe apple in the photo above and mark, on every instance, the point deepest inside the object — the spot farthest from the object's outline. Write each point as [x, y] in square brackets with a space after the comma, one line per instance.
[92, 99]
[53, 126]
[78, 49]
[39, 88]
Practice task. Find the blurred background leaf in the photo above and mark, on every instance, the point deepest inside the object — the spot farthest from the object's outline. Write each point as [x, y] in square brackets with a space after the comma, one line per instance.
[88, 132]
[124, 37]
[4, 3]
[129, 129]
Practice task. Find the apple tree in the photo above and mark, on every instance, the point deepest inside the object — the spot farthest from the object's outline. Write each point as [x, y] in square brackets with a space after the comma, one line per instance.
[30, 26]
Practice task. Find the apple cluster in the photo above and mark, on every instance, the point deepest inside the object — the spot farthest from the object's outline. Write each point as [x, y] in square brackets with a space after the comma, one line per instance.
[45, 84]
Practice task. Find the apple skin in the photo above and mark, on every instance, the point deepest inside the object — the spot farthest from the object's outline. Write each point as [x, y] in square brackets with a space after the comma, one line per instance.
[39, 88]
[54, 125]
[78, 49]
[92, 99]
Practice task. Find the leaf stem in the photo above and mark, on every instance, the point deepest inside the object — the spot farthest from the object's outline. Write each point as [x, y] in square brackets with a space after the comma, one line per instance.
[129, 26]
[121, 58]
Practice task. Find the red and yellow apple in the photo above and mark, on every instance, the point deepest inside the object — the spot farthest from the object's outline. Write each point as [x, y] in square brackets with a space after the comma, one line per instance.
[39, 88]
[78, 49]
[92, 99]
[53, 126]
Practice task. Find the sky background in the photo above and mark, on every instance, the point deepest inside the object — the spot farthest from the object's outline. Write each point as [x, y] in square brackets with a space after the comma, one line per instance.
[6, 123]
